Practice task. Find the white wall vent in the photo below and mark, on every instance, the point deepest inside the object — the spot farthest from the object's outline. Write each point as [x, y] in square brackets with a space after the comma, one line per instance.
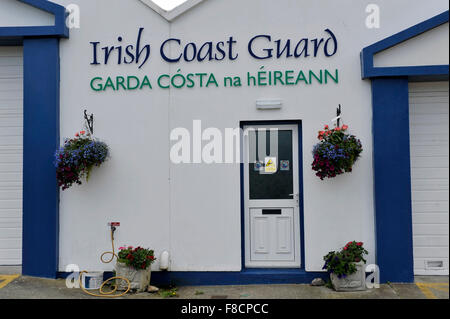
[434, 264]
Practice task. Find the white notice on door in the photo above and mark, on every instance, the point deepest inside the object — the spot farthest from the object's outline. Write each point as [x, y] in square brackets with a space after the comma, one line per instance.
[270, 165]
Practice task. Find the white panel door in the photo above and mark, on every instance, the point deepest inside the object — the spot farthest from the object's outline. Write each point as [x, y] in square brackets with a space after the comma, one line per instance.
[429, 130]
[11, 144]
[271, 190]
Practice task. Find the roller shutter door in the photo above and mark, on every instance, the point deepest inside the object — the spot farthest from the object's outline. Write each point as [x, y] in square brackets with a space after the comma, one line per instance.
[429, 128]
[11, 145]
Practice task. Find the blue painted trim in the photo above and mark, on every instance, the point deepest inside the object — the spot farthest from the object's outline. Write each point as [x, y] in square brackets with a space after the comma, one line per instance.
[41, 139]
[301, 195]
[300, 180]
[40, 251]
[367, 54]
[246, 277]
[59, 29]
[392, 179]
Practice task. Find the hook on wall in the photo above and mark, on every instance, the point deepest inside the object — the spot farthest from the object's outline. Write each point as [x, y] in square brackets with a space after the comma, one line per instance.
[338, 115]
[337, 119]
[89, 122]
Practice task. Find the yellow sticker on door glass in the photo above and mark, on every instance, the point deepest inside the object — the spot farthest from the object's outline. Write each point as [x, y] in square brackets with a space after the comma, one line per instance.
[270, 165]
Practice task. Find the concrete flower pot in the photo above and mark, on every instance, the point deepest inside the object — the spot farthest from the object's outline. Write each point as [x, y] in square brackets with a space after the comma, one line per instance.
[139, 279]
[353, 282]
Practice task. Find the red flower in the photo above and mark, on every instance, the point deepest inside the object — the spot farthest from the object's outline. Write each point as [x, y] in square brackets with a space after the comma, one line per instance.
[77, 134]
[359, 244]
[326, 127]
[344, 127]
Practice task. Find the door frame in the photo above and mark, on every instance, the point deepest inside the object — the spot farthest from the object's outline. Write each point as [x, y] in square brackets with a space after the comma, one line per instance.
[297, 123]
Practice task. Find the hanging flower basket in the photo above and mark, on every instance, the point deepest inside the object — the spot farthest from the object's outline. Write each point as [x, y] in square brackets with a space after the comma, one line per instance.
[336, 152]
[77, 157]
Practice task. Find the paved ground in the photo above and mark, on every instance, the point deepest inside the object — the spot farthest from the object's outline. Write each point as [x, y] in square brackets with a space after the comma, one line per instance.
[22, 287]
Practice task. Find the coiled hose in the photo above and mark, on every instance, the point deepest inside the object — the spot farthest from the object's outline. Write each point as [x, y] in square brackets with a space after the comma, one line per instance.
[107, 294]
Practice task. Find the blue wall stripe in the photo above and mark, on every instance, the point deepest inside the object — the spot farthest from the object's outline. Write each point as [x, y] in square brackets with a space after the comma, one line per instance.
[41, 139]
[392, 179]
[246, 277]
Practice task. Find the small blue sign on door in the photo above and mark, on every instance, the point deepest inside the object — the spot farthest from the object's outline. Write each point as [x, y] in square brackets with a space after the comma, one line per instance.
[258, 166]
[284, 165]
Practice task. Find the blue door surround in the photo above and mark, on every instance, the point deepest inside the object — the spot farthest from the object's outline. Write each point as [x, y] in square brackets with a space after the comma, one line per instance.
[391, 152]
[40, 252]
[298, 123]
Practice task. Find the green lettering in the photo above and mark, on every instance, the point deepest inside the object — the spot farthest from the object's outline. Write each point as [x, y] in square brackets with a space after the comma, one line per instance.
[212, 80]
[109, 83]
[301, 77]
[312, 74]
[145, 82]
[99, 86]
[119, 82]
[278, 76]
[289, 77]
[335, 78]
[159, 81]
[129, 82]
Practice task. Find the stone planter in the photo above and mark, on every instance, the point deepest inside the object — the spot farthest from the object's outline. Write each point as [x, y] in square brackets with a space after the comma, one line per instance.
[139, 279]
[353, 282]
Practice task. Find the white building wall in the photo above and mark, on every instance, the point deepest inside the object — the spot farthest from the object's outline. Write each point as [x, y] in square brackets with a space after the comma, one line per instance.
[18, 14]
[133, 186]
[194, 210]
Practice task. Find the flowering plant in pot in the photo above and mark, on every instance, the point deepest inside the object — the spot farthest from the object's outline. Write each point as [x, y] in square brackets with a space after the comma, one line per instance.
[135, 265]
[346, 267]
[336, 152]
[77, 157]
